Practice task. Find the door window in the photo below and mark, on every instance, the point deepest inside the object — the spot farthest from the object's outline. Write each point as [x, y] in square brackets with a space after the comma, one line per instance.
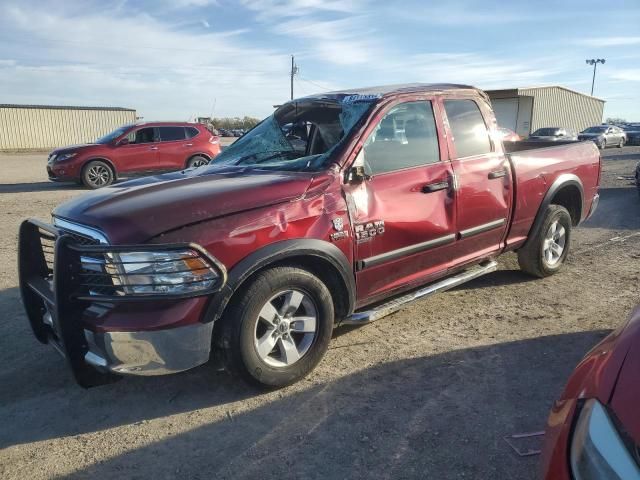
[170, 134]
[192, 132]
[470, 135]
[406, 137]
[143, 135]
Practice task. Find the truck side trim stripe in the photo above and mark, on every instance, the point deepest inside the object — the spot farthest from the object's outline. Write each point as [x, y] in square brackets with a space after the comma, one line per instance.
[404, 251]
[485, 227]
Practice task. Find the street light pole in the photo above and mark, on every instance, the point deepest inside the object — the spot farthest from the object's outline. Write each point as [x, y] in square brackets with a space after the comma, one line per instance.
[594, 62]
[294, 71]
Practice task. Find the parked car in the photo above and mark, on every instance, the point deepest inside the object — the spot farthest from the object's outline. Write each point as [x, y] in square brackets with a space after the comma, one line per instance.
[604, 136]
[265, 250]
[552, 134]
[225, 133]
[632, 132]
[139, 148]
[507, 135]
[593, 431]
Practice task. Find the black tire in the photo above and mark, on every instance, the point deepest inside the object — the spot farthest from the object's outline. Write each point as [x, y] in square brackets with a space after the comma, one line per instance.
[621, 144]
[97, 174]
[602, 144]
[241, 324]
[532, 257]
[197, 161]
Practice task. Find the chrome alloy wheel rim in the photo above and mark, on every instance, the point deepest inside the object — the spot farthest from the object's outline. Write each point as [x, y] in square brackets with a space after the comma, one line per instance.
[554, 243]
[286, 327]
[98, 175]
[199, 163]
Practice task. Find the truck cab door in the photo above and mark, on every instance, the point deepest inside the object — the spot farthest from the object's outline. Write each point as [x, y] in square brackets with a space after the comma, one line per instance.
[483, 179]
[403, 207]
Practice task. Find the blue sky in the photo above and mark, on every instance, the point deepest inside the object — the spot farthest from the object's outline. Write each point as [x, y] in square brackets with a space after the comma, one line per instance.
[174, 59]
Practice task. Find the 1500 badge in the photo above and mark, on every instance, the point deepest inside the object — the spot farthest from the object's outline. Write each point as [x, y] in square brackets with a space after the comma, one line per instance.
[366, 231]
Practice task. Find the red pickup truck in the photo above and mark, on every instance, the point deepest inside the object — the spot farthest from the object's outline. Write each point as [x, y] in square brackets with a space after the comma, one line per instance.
[338, 208]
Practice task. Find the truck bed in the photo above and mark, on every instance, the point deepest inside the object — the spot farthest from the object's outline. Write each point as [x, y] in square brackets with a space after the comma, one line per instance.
[536, 166]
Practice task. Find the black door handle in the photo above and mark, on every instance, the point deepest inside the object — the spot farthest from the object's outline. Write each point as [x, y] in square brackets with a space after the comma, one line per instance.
[497, 174]
[434, 187]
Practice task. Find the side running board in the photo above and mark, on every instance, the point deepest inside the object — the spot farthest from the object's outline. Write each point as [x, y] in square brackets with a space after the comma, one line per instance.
[367, 316]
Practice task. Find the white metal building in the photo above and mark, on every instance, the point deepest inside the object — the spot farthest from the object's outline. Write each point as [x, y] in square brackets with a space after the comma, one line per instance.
[524, 110]
[36, 127]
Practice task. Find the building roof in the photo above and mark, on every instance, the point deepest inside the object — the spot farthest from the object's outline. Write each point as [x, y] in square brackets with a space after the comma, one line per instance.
[65, 107]
[523, 90]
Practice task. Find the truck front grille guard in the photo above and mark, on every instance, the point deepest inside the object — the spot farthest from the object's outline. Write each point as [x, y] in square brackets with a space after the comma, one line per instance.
[56, 289]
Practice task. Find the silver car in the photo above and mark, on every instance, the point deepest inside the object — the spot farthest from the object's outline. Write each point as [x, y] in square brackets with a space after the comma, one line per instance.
[552, 134]
[604, 136]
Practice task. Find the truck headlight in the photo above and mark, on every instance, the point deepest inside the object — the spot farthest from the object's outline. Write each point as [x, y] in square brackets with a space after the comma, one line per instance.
[597, 451]
[181, 271]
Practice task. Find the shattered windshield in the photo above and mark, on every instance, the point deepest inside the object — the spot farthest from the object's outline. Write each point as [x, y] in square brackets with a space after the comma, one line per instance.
[299, 136]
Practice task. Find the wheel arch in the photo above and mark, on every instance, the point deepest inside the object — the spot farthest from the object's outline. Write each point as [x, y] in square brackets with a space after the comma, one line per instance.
[321, 258]
[567, 191]
[100, 159]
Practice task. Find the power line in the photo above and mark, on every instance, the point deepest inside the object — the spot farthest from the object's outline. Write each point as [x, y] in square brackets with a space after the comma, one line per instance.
[314, 83]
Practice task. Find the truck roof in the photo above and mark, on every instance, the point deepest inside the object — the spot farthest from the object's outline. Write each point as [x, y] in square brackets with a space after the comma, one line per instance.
[390, 90]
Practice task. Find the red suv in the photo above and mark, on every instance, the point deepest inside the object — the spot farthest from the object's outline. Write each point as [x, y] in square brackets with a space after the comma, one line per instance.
[139, 148]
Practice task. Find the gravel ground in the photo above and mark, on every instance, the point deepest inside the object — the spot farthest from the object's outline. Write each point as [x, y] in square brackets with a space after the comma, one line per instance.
[428, 392]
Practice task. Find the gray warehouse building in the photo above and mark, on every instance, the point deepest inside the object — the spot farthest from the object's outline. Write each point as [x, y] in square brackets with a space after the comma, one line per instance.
[524, 110]
[35, 127]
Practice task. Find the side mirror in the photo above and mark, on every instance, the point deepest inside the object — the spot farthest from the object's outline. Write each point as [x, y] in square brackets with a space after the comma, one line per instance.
[123, 141]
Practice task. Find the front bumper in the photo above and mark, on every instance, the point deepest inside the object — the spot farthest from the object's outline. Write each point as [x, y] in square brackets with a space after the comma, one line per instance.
[156, 352]
[105, 335]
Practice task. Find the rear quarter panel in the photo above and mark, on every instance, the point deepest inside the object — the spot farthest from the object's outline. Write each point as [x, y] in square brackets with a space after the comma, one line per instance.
[536, 170]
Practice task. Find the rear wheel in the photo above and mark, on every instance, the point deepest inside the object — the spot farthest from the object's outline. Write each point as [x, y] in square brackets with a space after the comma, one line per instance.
[97, 174]
[280, 327]
[621, 144]
[197, 161]
[544, 254]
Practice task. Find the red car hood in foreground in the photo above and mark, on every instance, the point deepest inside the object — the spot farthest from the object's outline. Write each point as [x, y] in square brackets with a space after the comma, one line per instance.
[625, 401]
[135, 211]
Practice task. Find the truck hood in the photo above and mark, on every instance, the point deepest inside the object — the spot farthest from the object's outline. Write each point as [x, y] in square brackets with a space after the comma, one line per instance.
[137, 210]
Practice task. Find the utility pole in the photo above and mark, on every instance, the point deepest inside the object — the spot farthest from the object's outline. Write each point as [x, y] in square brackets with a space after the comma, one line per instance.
[594, 62]
[294, 71]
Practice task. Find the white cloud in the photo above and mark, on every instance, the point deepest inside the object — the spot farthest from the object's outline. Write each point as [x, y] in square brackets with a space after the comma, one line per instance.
[275, 9]
[136, 61]
[608, 41]
[629, 75]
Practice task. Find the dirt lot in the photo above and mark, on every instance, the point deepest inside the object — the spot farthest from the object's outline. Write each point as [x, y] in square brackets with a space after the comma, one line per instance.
[426, 393]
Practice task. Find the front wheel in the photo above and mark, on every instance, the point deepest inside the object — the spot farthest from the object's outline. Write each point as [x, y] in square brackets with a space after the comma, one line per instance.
[544, 253]
[197, 161]
[280, 327]
[97, 174]
[621, 144]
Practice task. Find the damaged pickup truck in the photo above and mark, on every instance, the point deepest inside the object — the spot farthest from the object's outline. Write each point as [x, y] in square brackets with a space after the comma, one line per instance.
[338, 208]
